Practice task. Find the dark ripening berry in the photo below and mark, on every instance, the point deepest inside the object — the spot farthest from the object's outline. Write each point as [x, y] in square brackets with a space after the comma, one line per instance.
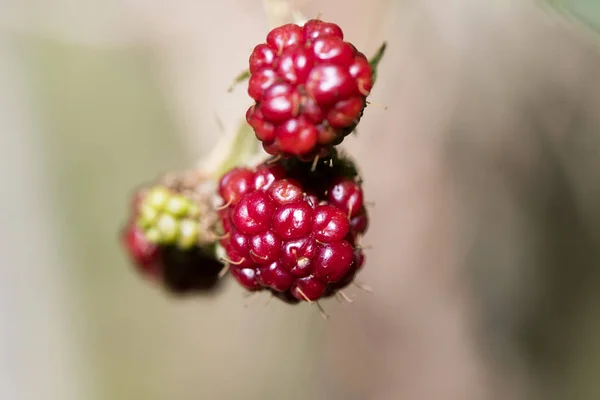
[310, 89]
[189, 271]
[360, 223]
[234, 184]
[291, 232]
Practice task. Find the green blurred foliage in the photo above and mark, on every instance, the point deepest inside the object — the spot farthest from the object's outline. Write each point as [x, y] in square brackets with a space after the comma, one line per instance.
[586, 11]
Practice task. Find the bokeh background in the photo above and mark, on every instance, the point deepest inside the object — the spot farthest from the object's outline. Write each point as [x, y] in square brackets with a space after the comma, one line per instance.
[484, 170]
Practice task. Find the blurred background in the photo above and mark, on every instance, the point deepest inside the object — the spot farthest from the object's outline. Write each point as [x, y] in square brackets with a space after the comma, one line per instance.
[484, 171]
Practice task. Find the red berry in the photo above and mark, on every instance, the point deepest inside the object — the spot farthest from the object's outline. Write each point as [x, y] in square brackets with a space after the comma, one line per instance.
[345, 112]
[361, 71]
[254, 212]
[359, 259]
[240, 257]
[284, 37]
[265, 247]
[328, 84]
[292, 229]
[296, 135]
[359, 223]
[308, 289]
[347, 195]
[297, 256]
[246, 277]
[262, 56]
[265, 131]
[316, 28]
[142, 252]
[239, 244]
[310, 88]
[294, 65]
[333, 261]
[260, 81]
[312, 112]
[281, 102]
[330, 224]
[234, 184]
[275, 277]
[293, 220]
[266, 175]
[286, 191]
[333, 50]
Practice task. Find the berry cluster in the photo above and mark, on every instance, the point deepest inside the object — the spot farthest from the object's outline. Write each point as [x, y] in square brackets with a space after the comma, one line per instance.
[310, 88]
[291, 225]
[293, 230]
[163, 242]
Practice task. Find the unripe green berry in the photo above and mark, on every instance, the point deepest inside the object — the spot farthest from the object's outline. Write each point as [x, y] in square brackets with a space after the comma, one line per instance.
[177, 205]
[153, 235]
[157, 197]
[188, 233]
[147, 216]
[168, 228]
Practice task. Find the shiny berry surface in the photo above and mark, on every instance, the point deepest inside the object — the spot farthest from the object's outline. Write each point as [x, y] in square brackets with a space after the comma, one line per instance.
[310, 88]
[295, 231]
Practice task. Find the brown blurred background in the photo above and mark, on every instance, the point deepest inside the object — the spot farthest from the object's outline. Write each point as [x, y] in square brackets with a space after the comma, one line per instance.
[484, 171]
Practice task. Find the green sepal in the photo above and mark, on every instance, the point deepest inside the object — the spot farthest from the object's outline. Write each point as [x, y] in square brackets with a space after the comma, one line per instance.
[374, 61]
[241, 77]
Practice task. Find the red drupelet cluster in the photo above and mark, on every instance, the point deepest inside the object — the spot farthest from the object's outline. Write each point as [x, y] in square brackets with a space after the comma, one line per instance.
[310, 88]
[292, 231]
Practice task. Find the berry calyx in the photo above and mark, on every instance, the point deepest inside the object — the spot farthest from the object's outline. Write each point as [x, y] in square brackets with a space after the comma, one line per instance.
[310, 88]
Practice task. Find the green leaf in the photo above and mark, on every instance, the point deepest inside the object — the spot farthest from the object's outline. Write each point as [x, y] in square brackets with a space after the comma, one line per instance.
[242, 76]
[586, 12]
[374, 61]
